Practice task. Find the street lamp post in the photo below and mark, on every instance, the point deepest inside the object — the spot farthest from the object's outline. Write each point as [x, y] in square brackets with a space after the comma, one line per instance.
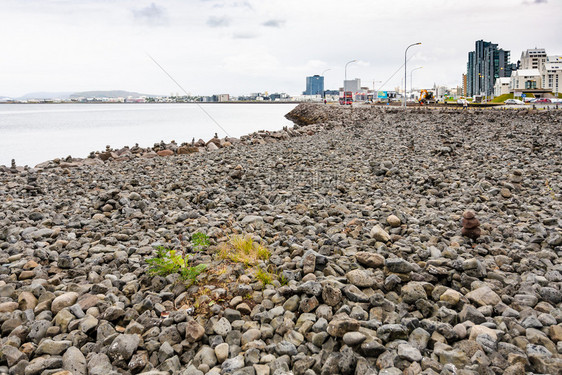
[405, 71]
[411, 80]
[349, 62]
[375, 92]
[322, 75]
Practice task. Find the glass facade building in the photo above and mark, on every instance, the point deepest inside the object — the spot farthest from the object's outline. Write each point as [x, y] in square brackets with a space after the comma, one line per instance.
[314, 85]
[486, 64]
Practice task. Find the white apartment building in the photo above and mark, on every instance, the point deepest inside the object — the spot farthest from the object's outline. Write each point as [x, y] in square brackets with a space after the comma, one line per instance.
[533, 58]
[502, 86]
[537, 72]
[551, 74]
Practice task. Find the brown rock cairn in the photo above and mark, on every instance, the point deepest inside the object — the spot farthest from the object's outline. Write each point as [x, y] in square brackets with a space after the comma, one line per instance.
[470, 225]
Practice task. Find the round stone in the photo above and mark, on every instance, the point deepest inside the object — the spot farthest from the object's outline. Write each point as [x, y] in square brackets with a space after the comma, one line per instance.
[393, 221]
[353, 338]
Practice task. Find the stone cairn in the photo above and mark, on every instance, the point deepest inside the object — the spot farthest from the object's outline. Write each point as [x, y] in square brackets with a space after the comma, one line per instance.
[470, 225]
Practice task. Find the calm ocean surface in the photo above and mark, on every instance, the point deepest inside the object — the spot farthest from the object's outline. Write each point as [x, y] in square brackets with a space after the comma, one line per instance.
[33, 133]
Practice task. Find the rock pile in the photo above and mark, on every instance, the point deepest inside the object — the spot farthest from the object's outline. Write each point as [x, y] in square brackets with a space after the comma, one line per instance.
[470, 225]
[371, 273]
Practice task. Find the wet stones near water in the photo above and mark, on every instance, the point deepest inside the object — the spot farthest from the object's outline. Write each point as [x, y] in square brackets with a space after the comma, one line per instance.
[369, 271]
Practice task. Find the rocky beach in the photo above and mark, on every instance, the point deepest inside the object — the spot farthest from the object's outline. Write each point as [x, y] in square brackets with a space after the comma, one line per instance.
[418, 241]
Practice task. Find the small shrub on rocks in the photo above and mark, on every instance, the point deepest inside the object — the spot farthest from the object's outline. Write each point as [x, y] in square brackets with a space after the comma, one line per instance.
[243, 249]
[200, 241]
[167, 262]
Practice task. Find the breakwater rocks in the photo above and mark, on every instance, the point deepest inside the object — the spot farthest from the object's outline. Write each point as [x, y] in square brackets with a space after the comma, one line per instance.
[368, 270]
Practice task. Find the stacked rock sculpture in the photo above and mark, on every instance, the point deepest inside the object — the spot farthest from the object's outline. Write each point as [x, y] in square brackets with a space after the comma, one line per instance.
[470, 225]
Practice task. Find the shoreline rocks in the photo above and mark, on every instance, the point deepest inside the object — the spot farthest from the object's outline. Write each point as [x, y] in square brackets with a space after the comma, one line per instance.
[370, 271]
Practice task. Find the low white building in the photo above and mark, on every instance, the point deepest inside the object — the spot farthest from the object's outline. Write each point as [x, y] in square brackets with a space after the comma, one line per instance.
[524, 79]
[441, 92]
[456, 92]
[307, 98]
[501, 86]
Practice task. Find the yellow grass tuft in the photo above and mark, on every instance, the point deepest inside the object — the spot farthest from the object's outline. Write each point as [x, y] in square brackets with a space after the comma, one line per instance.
[243, 249]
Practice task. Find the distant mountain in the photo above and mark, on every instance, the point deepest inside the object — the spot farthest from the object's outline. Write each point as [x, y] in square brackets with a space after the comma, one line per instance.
[45, 95]
[107, 94]
[85, 94]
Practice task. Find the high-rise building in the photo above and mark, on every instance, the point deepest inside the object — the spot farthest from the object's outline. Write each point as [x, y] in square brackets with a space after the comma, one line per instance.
[470, 69]
[314, 85]
[486, 64]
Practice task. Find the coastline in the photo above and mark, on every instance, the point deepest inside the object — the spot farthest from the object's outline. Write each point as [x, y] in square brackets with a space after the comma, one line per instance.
[361, 210]
[123, 153]
[201, 103]
[32, 138]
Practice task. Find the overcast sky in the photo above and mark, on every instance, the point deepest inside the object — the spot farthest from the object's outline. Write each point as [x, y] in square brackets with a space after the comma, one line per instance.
[245, 46]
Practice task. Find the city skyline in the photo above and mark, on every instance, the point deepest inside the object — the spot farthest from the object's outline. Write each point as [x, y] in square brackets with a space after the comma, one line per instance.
[237, 47]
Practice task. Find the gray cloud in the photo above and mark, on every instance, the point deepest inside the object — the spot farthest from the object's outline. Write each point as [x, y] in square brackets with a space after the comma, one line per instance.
[239, 4]
[223, 4]
[244, 35]
[243, 4]
[218, 21]
[540, 1]
[274, 23]
[152, 15]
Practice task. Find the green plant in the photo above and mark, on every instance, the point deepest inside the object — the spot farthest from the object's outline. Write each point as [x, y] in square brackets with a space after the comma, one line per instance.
[191, 273]
[264, 276]
[199, 241]
[282, 279]
[167, 262]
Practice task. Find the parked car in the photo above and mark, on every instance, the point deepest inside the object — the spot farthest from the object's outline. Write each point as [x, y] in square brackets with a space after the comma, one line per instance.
[513, 101]
[542, 100]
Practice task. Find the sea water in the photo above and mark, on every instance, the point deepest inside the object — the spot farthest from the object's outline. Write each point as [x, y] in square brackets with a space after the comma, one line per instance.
[33, 133]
